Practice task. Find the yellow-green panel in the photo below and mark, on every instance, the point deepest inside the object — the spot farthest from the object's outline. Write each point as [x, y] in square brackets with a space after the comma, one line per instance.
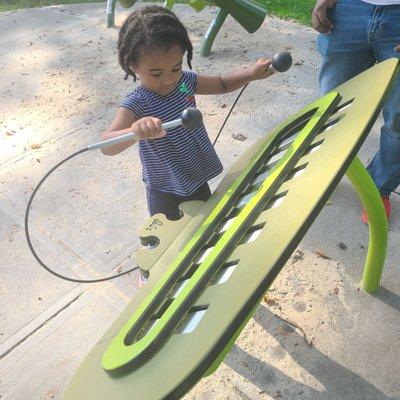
[282, 202]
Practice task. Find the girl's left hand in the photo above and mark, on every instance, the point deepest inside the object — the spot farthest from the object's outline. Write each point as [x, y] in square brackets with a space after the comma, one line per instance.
[260, 69]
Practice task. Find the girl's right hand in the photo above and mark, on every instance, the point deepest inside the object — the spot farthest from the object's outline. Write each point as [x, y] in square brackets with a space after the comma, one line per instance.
[148, 128]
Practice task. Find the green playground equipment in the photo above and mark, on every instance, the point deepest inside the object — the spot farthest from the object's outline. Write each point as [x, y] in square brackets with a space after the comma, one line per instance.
[209, 270]
[248, 13]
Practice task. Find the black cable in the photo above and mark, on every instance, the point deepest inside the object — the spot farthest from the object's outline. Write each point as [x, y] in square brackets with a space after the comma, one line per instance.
[28, 207]
[229, 113]
[28, 239]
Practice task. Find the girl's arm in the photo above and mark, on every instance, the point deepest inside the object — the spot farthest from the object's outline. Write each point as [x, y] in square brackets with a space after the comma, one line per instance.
[121, 124]
[234, 80]
[124, 122]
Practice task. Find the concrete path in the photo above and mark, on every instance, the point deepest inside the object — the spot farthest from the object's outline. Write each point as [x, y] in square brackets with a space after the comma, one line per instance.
[315, 337]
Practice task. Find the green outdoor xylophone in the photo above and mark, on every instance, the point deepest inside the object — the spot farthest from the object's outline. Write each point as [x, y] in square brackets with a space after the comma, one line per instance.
[211, 268]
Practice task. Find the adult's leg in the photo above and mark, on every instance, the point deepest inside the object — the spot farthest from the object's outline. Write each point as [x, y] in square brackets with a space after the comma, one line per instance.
[385, 166]
[346, 52]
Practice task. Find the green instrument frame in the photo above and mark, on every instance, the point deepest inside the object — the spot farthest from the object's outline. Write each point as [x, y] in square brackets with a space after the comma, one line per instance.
[254, 18]
[145, 344]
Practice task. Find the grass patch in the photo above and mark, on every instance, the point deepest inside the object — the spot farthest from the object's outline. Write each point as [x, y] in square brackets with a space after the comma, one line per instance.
[299, 10]
[10, 5]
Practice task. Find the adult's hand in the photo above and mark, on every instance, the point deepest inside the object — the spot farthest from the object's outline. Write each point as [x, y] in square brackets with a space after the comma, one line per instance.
[320, 21]
[397, 48]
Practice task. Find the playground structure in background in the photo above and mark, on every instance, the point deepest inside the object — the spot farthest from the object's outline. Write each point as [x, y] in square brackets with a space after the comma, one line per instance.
[249, 14]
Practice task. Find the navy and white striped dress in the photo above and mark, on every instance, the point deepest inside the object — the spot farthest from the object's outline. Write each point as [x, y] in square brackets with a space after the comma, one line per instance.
[180, 162]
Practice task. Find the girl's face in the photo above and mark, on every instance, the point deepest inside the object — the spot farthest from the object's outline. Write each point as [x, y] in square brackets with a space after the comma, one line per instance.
[160, 70]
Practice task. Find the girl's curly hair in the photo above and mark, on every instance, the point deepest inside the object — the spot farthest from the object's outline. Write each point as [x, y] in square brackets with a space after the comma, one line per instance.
[148, 28]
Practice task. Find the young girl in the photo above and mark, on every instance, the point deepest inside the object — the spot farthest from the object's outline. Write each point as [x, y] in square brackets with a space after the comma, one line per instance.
[177, 164]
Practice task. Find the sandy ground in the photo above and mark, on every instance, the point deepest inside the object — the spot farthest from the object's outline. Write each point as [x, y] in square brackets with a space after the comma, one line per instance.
[316, 335]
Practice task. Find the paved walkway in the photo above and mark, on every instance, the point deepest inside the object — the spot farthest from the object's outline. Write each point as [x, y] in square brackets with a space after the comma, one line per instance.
[60, 86]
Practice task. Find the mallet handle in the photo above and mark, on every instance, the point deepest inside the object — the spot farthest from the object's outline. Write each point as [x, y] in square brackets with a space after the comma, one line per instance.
[131, 136]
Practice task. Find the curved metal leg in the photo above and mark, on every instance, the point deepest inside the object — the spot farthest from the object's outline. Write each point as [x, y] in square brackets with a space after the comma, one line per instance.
[378, 226]
[169, 4]
[111, 13]
[212, 32]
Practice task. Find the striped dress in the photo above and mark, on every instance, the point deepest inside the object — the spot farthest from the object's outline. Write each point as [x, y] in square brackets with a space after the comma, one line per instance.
[180, 162]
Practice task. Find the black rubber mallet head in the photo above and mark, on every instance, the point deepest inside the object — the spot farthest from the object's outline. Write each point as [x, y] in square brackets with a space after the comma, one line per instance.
[282, 61]
[191, 118]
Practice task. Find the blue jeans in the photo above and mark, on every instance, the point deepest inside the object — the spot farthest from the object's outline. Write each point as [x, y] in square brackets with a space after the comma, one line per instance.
[364, 34]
